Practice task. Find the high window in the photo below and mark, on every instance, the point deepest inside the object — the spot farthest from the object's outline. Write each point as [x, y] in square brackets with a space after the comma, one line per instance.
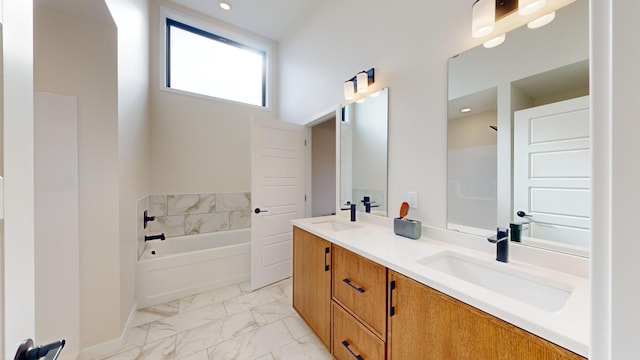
[204, 63]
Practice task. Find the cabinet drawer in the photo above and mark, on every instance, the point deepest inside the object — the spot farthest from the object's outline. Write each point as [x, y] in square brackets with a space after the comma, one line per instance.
[359, 285]
[351, 340]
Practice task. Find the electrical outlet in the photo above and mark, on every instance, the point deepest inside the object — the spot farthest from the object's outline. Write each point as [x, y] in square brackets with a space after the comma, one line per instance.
[412, 199]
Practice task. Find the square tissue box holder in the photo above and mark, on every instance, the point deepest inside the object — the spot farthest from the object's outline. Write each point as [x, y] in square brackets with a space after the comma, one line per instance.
[407, 228]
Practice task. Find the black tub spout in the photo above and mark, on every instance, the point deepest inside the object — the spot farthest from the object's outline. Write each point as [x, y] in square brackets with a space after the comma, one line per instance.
[154, 237]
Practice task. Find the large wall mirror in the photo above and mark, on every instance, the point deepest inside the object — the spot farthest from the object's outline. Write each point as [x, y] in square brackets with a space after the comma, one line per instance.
[518, 135]
[363, 153]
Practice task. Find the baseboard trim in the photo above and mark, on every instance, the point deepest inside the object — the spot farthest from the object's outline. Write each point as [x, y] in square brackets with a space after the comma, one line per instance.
[111, 346]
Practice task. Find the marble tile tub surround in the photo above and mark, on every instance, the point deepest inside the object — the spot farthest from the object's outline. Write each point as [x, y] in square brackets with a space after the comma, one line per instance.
[187, 214]
[225, 323]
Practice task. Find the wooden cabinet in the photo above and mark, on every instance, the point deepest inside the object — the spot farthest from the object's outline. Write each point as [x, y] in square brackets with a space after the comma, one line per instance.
[362, 310]
[427, 324]
[360, 286]
[352, 340]
[312, 282]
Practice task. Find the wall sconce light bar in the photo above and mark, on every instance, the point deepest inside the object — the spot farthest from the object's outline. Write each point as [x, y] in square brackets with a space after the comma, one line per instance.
[359, 83]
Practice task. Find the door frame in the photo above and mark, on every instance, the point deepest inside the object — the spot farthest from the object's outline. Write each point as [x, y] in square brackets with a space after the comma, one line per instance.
[319, 118]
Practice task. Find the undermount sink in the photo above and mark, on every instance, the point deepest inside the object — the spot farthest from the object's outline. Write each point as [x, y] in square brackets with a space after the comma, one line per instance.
[539, 292]
[335, 225]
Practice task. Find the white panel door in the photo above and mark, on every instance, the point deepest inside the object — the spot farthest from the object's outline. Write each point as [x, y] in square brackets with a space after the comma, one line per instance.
[278, 196]
[552, 170]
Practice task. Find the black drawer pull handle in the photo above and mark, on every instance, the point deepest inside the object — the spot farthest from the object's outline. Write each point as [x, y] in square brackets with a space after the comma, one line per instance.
[392, 309]
[326, 252]
[348, 282]
[347, 346]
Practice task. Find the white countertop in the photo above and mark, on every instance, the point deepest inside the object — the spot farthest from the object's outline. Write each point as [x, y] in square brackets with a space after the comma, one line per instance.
[568, 327]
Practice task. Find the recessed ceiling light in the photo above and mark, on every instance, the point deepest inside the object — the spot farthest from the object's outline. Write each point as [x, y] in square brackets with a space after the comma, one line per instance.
[225, 5]
[465, 110]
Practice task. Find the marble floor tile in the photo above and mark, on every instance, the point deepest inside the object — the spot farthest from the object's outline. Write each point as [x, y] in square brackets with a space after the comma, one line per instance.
[268, 313]
[254, 344]
[209, 297]
[269, 294]
[201, 355]
[297, 327]
[266, 357]
[307, 348]
[227, 323]
[136, 336]
[185, 321]
[159, 350]
[156, 312]
[205, 336]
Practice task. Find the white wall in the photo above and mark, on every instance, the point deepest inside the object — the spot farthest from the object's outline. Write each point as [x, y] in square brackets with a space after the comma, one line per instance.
[200, 144]
[132, 22]
[57, 242]
[409, 48]
[77, 56]
[18, 252]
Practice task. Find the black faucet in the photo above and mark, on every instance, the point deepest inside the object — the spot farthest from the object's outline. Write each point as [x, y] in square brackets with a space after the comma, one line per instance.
[501, 239]
[147, 218]
[154, 237]
[368, 204]
[351, 207]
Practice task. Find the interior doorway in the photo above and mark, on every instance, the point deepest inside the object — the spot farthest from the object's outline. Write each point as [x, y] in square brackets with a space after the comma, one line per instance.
[323, 167]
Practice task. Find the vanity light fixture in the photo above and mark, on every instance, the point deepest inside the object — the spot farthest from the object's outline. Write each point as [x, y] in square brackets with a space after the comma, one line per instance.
[483, 18]
[359, 84]
[224, 5]
[542, 21]
[362, 80]
[528, 7]
[349, 90]
[495, 41]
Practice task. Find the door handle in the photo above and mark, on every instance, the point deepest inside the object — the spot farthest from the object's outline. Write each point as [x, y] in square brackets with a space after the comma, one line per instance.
[258, 210]
[523, 214]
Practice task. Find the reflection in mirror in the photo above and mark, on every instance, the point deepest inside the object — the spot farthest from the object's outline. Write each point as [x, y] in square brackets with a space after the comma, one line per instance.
[472, 163]
[534, 160]
[363, 153]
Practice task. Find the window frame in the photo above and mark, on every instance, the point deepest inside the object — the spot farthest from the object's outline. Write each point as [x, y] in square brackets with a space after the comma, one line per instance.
[217, 33]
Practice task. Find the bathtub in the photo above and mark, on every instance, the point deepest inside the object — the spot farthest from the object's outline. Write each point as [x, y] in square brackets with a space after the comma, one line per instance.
[187, 265]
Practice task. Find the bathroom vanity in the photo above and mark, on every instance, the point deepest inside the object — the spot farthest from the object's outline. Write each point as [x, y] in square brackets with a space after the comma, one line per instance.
[369, 294]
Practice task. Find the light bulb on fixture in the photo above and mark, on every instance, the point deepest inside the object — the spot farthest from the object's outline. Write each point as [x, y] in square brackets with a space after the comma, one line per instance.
[495, 41]
[542, 21]
[349, 92]
[483, 18]
[362, 80]
[361, 100]
[528, 7]
[465, 110]
[224, 5]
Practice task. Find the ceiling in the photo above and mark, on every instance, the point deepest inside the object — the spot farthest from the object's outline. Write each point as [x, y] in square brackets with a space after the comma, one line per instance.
[273, 19]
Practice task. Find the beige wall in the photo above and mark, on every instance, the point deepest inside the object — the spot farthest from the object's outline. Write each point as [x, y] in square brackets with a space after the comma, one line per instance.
[132, 20]
[199, 144]
[77, 56]
[323, 168]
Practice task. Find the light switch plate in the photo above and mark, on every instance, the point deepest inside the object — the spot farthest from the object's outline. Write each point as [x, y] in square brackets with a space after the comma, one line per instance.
[412, 199]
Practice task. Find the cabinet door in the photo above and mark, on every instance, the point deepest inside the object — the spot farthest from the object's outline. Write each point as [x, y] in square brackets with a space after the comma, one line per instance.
[426, 324]
[312, 282]
[360, 286]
